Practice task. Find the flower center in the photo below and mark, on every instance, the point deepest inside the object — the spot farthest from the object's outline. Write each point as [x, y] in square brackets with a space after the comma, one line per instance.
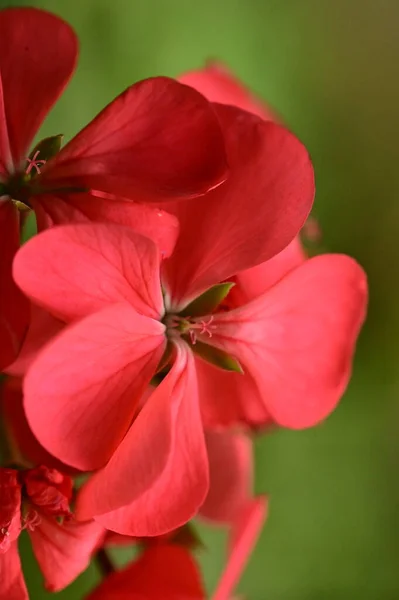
[177, 325]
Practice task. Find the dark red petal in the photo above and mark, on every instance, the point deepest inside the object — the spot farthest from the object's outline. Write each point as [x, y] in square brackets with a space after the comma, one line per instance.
[250, 218]
[38, 52]
[161, 573]
[14, 307]
[158, 140]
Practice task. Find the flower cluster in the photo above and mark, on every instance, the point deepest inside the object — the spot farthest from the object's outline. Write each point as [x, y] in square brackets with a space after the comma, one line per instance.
[164, 313]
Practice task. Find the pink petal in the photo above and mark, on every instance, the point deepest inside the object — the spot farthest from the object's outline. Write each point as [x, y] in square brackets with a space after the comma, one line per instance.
[14, 307]
[251, 283]
[12, 584]
[249, 219]
[158, 140]
[164, 459]
[81, 392]
[217, 84]
[63, 551]
[297, 340]
[160, 573]
[243, 538]
[75, 270]
[230, 469]
[62, 209]
[38, 53]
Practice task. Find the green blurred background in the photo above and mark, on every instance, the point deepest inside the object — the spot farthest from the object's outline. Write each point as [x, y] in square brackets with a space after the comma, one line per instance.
[330, 69]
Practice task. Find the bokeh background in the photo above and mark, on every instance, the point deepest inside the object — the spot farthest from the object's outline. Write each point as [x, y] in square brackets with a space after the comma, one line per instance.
[330, 69]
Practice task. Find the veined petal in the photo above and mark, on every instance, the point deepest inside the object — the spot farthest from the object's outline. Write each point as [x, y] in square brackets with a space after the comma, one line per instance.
[243, 537]
[163, 457]
[230, 470]
[81, 393]
[38, 53]
[75, 270]
[158, 140]
[162, 572]
[249, 219]
[218, 84]
[12, 584]
[63, 209]
[298, 339]
[14, 307]
[63, 550]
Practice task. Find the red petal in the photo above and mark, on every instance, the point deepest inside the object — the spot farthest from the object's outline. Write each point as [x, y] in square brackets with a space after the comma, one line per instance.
[251, 283]
[19, 431]
[230, 469]
[81, 393]
[249, 219]
[61, 209]
[38, 52]
[297, 340]
[14, 307]
[161, 572]
[75, 270]
[229, 398]
[217, 84]
[164, 459]
[63, 551]
[158, 140]
[243, 538]
[12, 584]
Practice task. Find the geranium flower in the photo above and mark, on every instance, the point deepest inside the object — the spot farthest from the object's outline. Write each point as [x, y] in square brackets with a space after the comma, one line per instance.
[156, 141]
[84, 389]
[38, 500]
[169, 571]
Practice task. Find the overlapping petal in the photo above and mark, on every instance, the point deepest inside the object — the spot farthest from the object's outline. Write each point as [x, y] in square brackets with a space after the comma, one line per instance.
[14, 307]
[230, 471]
[63, 550]
[61, 209]
[217, 84]
[249, 219]
[298, 339]
[77, 269]
[38, 53]
[158, 140]
[168, 572]
[163, 457]
[242, 540]
[82, 391]
[12, 584]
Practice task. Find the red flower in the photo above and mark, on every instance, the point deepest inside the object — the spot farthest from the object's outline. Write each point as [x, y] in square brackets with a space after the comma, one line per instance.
[156, 141]
[38, 500]
[90, 379]
[169, 572]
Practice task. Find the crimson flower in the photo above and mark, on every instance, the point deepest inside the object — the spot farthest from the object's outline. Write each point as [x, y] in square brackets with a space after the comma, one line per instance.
[38, 500]
[84, 389]
[156, 141]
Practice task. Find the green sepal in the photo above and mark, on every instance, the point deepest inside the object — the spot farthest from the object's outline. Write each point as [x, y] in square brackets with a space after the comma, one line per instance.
[188, 537]
[48, 147]
[215, 356]
[208, 301]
